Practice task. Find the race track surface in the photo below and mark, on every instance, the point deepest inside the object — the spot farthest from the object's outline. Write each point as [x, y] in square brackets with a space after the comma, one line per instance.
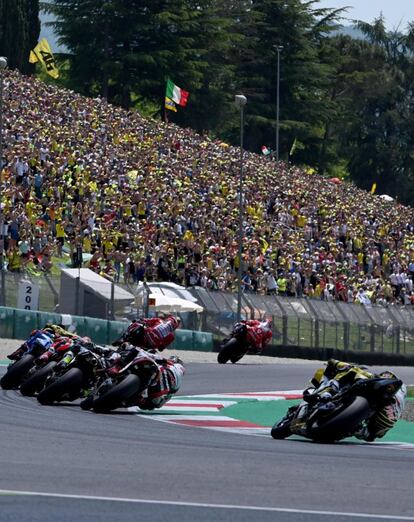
[129, 467]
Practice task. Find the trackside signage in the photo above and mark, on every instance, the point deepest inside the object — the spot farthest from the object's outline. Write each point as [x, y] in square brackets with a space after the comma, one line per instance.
[28, 295]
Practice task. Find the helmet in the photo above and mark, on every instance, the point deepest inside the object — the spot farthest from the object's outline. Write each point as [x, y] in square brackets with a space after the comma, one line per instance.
[387, 374]
[174, 359]
[266, 324]
[48, 330]
[134, 333]
[175, 377]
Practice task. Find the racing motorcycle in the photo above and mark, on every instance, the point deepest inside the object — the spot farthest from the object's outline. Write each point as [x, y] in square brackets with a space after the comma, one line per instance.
[23, 359]
[125, 387]
[44, 365]
[342, 415]
[241, 341]
[79, 371]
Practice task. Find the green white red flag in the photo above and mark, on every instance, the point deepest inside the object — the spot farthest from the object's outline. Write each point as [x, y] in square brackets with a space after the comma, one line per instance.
[176, 94]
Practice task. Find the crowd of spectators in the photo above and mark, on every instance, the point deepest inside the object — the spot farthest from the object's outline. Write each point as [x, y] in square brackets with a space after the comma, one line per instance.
[136, 199]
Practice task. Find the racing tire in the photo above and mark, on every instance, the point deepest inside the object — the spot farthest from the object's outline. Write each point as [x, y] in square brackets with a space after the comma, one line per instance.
[342, 424]
[236, 358]
[36, 382]
[281, 430]
[116, 396]
[87, 403]
[68, 384]
[231, 351]
[16, 372]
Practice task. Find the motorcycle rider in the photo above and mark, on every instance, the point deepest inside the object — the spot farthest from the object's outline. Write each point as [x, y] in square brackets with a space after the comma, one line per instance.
[259, 331]
[63, 344]
[155, 333]
[328, 381]
[167, 383]
[164, 383]
[44, 336]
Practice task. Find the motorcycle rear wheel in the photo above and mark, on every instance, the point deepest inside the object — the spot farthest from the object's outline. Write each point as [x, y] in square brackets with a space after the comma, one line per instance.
[16, 372]
[35, 382]
[68, 384]
[231, 351]
[118, 394]
[341, 425]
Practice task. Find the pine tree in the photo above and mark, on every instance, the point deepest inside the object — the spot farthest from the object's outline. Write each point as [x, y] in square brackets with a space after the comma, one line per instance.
[19, 31]
[298, 28]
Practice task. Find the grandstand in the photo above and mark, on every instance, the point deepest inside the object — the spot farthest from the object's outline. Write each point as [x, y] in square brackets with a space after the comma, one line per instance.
[89, 184]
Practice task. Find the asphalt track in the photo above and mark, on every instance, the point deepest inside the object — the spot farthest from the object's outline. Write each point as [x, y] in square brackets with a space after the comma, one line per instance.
[60, 463]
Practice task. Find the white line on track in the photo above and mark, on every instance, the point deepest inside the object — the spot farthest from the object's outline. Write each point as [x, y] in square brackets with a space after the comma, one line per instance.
[204, 505]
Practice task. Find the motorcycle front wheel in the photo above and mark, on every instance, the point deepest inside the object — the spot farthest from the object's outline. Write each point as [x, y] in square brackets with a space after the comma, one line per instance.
[16, 372]
[230, 351]
[119, 394]
[69, 384]
[35, 382]
[281, 429]
[341, 424]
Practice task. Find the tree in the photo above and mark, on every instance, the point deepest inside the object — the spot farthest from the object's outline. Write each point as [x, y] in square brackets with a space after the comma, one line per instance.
[117, 47]
[218, 43]
[19, 31]
[380, 141]
[303, 81]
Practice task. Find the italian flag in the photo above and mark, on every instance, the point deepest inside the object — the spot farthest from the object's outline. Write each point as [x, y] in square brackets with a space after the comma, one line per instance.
[176, 94]
[265, 150]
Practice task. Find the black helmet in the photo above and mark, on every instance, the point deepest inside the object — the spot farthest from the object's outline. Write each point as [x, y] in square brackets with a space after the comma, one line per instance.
[135, 333]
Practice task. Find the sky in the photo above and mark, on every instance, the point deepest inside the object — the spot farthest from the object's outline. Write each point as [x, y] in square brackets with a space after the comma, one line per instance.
[396, 12]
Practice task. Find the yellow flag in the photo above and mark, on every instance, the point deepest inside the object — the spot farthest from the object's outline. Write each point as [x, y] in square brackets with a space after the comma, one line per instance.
[265, 245]
[33, 57]
[169, 104]
[373, 188]
[43, 54]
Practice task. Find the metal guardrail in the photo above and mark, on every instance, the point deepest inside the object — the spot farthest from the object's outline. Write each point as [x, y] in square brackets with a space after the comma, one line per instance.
[308, 323]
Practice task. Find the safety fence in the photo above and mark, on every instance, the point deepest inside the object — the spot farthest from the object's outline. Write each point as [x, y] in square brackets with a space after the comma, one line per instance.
[312, 323]
[297, 322]
[17, 324]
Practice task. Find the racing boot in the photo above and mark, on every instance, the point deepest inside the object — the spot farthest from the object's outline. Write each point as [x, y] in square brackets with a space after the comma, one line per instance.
[17, 354]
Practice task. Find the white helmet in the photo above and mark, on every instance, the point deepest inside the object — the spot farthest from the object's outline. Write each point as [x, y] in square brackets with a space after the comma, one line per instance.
[175, 375]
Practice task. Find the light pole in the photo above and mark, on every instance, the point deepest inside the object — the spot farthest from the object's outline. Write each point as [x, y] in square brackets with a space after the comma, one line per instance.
[3, 65]
[279, 48]
[240, 102]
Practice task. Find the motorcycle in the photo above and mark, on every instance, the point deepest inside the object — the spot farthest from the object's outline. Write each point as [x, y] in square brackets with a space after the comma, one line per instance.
[241, 342]
[44, 365]
[124, 388]
[80, 370]
[342, 415]
[24, 359]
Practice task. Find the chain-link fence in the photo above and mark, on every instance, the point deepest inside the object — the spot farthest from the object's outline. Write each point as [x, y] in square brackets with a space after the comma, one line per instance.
[296, 322]
[313, 323]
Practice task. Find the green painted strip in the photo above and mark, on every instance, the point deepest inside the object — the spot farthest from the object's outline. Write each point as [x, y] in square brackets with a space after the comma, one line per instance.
[267, 413]
[264, 413]
[161, 413]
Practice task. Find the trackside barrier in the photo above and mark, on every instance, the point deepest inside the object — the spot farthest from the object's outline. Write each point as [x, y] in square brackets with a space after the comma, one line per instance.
[17, 324]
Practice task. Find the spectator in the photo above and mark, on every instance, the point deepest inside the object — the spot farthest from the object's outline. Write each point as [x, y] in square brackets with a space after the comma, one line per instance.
[157, 201]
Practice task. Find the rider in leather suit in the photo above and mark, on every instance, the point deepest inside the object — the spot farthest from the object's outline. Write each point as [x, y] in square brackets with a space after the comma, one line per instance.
[154, 333]
[260, 332]
[326, 382]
